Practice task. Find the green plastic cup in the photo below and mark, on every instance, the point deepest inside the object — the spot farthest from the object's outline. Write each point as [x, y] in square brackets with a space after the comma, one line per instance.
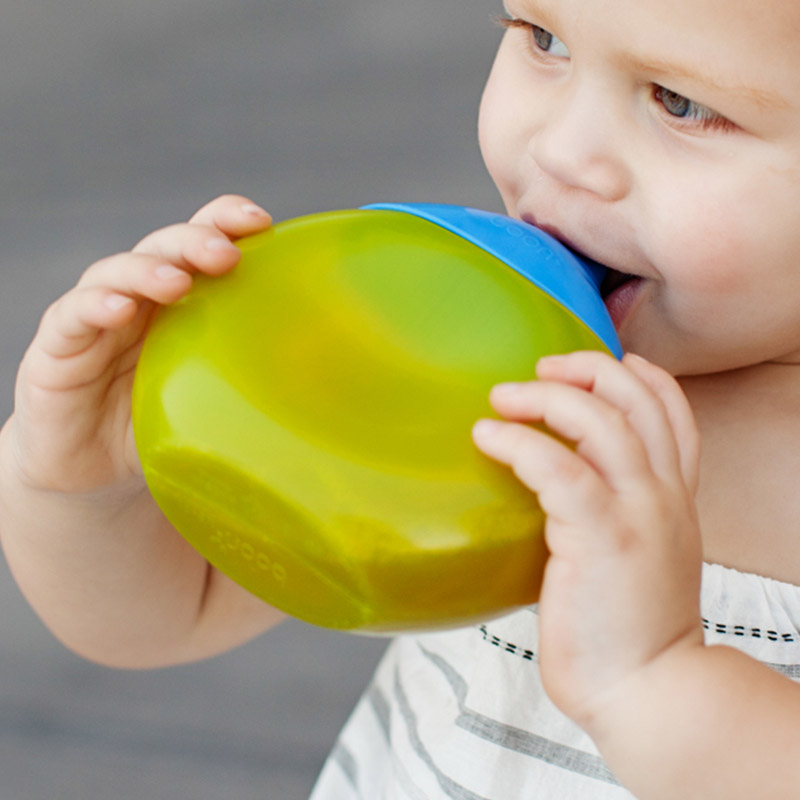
[305, 421]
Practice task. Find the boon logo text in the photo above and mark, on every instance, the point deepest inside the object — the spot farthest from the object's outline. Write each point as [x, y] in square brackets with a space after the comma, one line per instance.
[231, 543]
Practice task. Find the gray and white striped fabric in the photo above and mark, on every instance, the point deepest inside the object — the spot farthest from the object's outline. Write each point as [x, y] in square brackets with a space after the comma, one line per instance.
[462, 715]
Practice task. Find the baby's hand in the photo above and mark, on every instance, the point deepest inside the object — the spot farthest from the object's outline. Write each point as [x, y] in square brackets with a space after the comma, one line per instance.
[71, 430]
[621, 589]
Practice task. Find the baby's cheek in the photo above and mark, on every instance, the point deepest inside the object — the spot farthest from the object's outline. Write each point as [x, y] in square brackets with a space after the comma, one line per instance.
[707, 251]
[495, 142]
[504, 129]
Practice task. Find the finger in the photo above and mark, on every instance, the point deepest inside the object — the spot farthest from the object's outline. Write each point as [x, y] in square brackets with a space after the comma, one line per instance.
[74, 321]
[625, 389]
[601, 432]
[139, 276]
[679, 413]
[204, 242]
[233, 215]
[569, 490]
[191, 247]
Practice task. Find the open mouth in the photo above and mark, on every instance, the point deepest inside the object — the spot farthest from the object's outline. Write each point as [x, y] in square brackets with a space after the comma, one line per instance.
[613, 280]
[620, 292]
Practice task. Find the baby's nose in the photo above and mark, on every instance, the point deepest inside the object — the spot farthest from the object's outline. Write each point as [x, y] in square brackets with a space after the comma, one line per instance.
[580, 141]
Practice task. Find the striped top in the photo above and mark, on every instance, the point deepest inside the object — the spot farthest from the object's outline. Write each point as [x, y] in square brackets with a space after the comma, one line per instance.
[462, 715]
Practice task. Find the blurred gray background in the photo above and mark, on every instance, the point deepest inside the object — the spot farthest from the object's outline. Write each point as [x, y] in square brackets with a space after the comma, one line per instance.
[120, 117]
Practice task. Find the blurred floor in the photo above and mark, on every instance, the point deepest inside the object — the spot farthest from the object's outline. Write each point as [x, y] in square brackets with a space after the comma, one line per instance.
[119, 117]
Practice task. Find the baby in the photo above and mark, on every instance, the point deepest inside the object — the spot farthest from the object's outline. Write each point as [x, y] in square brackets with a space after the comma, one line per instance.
[661, 137]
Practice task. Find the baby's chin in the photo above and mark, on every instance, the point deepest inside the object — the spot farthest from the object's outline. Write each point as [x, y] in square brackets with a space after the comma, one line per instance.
[679, 357]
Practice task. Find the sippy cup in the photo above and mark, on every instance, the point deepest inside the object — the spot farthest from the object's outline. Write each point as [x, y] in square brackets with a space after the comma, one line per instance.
[304, 421]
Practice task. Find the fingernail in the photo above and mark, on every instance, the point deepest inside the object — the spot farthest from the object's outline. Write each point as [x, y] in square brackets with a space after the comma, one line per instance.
[220, 245]
[168, 272]
[553, 362]
[254, 210]
[508, 388]
[485, 428]
[117, 301]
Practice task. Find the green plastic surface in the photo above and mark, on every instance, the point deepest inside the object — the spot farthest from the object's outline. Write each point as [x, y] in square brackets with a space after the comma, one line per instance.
[305, 422]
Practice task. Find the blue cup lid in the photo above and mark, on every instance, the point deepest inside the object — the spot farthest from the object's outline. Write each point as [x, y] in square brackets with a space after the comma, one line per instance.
[570, 279]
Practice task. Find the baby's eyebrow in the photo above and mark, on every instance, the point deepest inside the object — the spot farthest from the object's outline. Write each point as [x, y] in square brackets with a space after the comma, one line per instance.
[761, 97]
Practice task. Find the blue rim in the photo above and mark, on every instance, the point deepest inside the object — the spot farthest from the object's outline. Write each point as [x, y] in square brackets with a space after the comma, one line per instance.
[570, 279]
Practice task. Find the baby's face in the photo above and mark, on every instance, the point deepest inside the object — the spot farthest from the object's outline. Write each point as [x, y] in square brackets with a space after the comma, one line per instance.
[662, 138]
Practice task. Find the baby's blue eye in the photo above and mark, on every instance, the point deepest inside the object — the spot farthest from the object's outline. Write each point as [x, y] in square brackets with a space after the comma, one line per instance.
[679, 106]
[550, 44]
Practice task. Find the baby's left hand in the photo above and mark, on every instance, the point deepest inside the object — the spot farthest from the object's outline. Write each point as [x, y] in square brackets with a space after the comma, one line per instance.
[622, 586]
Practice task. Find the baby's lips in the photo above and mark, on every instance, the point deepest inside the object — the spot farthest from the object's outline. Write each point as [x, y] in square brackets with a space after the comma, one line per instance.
[613, 280]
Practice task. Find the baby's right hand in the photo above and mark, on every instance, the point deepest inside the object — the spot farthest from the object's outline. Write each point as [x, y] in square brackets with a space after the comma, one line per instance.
[71, 430]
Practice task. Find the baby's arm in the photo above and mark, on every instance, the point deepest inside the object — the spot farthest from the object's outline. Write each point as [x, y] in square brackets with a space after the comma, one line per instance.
[621, 646]
[86, 543]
